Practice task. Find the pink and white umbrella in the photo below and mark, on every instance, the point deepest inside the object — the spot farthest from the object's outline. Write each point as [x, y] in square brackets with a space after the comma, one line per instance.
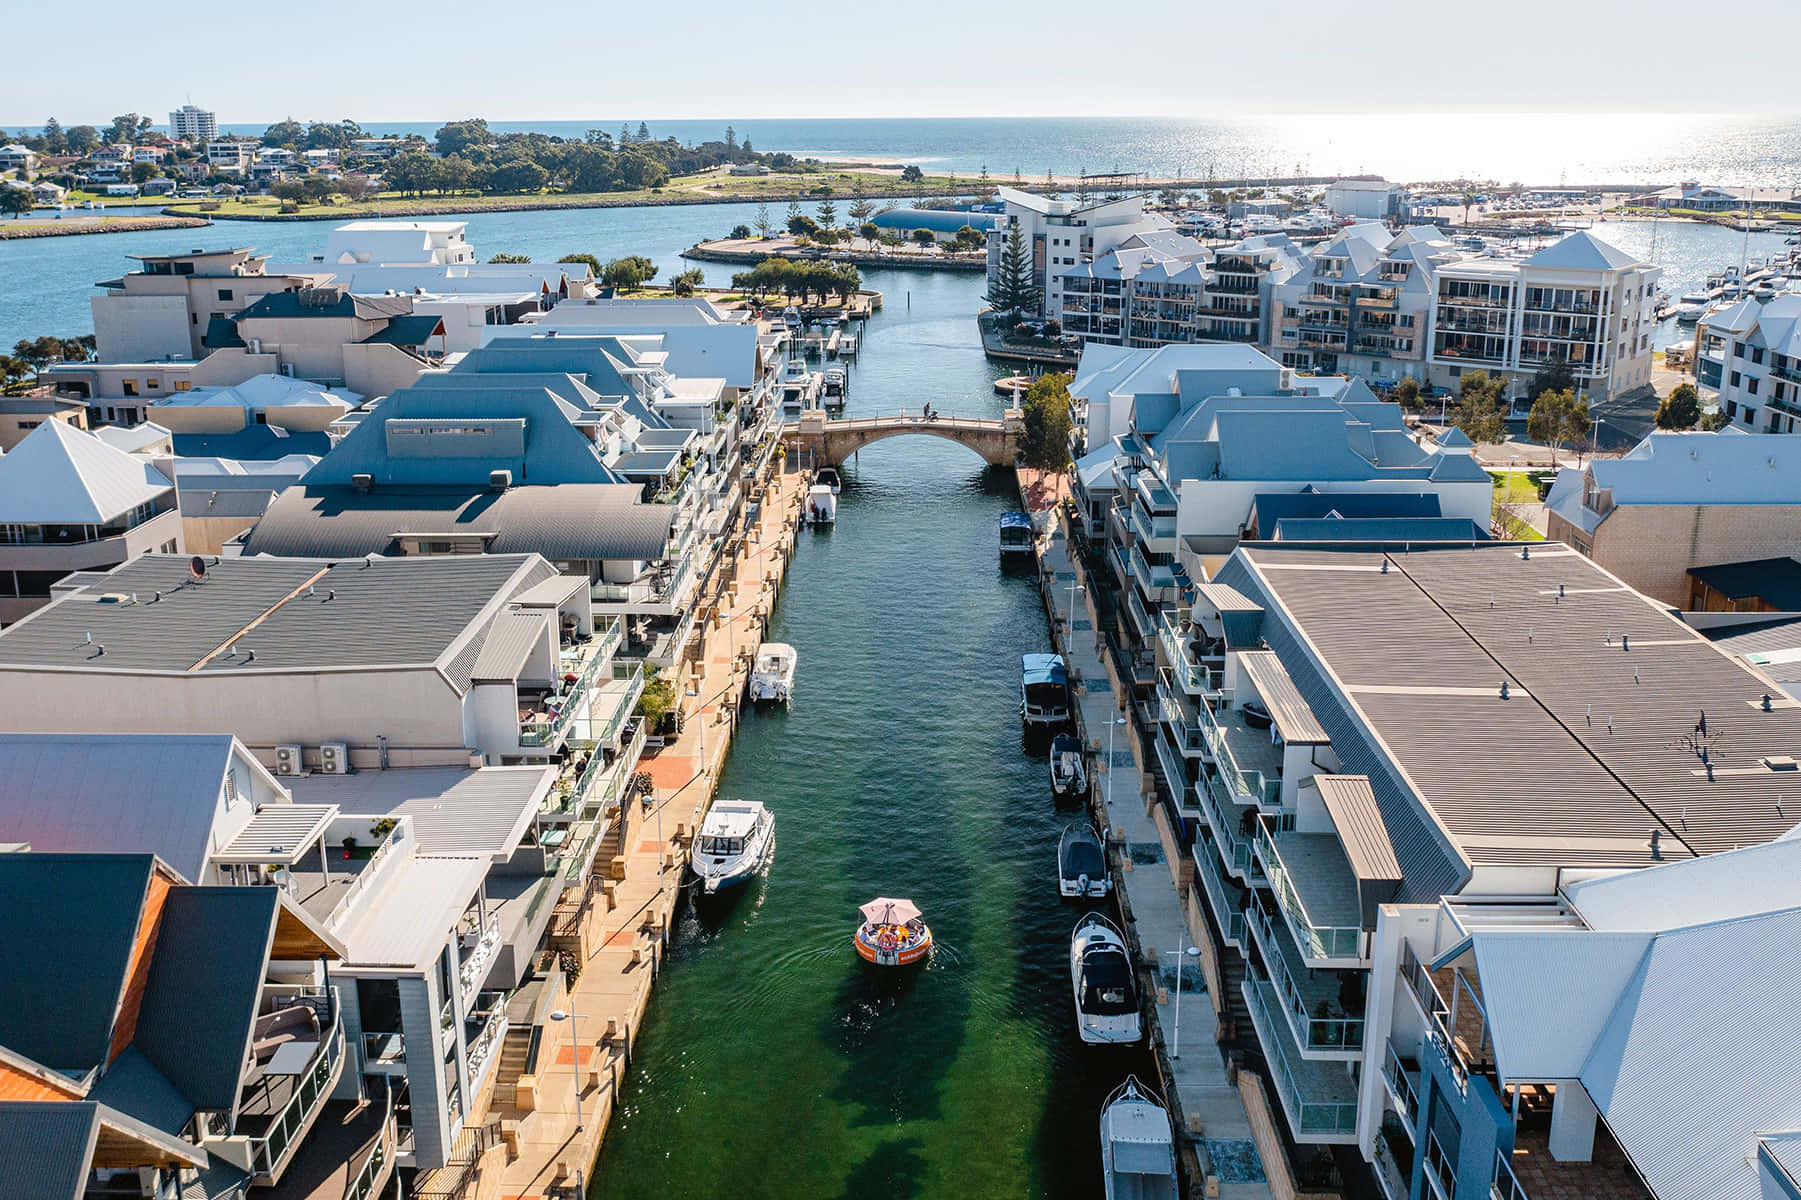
[885, 910]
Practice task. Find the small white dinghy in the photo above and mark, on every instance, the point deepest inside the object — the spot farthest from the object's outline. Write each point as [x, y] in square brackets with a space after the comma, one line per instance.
[1069, 767]
[735, 842]
[1100, 973]
[1081, 863]
[772, 677]
[1138, 1148]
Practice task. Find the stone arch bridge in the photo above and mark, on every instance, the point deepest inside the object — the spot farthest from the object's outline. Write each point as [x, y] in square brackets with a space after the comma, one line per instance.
[831, 442]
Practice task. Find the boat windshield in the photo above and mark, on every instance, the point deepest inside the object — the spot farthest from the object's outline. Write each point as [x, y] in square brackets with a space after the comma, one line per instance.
[1107, 983]
[722, 845]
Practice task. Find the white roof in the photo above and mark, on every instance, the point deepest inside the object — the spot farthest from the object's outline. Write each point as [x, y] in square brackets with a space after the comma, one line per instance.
[455, 810]
[1582, 251]
[1697, 467]
[731, 818]
[410, 917]
[263, 391]
[1689, 892]
[131, 438]
[61, 475]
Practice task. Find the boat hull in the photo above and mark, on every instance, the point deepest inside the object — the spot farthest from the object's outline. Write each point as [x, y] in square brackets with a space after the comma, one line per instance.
[738, 870]
[1101, 1029]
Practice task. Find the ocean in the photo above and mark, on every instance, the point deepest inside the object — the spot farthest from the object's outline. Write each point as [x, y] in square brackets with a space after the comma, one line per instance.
[1530, 148]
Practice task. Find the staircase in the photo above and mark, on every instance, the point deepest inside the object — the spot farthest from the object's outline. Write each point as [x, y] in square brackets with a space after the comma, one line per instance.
[1235, 1009]
[515, 1052]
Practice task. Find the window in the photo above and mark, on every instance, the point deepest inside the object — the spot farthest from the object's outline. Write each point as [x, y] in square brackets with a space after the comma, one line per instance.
[153, 384]
[1735, 379]
[224, 293]
[1751, 385]
[130, 387]
[182, 385]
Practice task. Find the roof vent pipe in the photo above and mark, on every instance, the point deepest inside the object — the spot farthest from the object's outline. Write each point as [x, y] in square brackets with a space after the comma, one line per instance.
[1503, 689]
[1767, 706]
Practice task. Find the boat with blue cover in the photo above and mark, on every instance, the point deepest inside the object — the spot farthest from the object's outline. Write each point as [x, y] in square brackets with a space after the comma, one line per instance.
[1016, 534]
[1043, 690]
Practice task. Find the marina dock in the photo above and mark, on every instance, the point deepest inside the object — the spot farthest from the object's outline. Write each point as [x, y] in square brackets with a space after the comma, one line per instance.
[535, 1135]
[1219, 1117]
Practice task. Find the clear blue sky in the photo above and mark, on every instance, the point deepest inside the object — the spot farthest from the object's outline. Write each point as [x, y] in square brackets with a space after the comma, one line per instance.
[731, 59]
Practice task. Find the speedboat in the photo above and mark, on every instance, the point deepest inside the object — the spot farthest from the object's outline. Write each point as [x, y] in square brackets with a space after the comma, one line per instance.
[791, 318]
[1043, 690]
[1138, 1147]
[800, 386]
[828, 477]
[1016, 534]
[735, 842]
[1069, 767]
[1100, 972]
[822, 505]
[835, 380]
[772, 678]
[892, 934]
[1690, 308]
[1081, 863]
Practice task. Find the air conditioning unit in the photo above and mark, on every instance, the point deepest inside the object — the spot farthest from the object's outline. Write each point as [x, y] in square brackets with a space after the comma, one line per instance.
[287, 761]
[334, 758]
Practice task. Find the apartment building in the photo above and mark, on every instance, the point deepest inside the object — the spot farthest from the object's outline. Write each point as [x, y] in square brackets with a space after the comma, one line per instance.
[164, 310]
[1751, 354]
[1144, 292]
[1338, 795]
[1580, 301]
[71, 502]
[1360, 303]
[436, 884]
[1677, 502]
[231, 157]
[1065, 233]
[192, 124]
[327, 664]
[19, 415]
[162, 1039]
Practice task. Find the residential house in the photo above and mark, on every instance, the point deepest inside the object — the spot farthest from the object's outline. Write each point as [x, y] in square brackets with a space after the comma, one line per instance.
[231, 157]
[14, 157]
[160, 1039]
[70, 502]
[1679, 501]
[1339, 791]
[1579, 301]
[165, 309]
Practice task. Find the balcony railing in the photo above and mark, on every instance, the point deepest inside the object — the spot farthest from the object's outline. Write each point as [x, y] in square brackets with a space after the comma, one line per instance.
[1190, 676]
[384, 1049]
[1400, 1087]
[1388, 1172]
[378, 1165]
[1143, 626]
[1506, 1184]
[1438, 1015]
[1171, 762]
[1156, 578]
[1152, 528]
[474, 969]
[1247, 787]
[632, 675]
[1317, 941]
[1234, 848]
[484, 1048]
[536, 732]
[269, 1152]
[1310, 1032]
[1329, 1118]
[1220, 894]
[1186, 732]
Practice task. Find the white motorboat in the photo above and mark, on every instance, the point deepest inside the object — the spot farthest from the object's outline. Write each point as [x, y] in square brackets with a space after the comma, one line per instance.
[1081, 863]
[800, 385]
[1069, 767]
[828, 477]
[772, 676]
[735, 842]
[1690, 308]
[1043, 690]
[1100, 973]
[1138, 1147]
[822, 505]
[834, 387]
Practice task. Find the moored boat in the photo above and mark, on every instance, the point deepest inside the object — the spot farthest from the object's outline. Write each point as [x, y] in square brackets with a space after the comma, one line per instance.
[772, 676]
[1138, 1147]
[828, 477]
[893, 933]
[735, 842]
[1016, 533]
[821, 506]
[1043, 690]
[1069, 767]
[1081, 863]
[1100, 973]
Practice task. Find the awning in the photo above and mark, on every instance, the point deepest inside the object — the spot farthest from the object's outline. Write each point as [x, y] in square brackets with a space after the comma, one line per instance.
[279, 834]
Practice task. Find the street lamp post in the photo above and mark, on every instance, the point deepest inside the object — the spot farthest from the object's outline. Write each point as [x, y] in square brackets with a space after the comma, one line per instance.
[575, 1059]
[1175, 1045]
[1074, 587]
[1112, 727]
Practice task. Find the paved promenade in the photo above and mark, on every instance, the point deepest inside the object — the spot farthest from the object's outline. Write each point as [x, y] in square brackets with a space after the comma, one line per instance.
[543, 1152]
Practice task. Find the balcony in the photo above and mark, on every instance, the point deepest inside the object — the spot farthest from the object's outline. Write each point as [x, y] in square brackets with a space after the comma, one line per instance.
[1506, 1185]
[476, 948]
[1317, 894]
[280, 1103]
[1235, 847]
[1192, 676]
[1302, 996]
[1144, 627]
[612, 704]
[1182, 728]
[1225, 897]
[1318, 1098]
[1400, 1085]
[1174, 776]
[384, 1051]
[488, 1017]
[1152, 530]
[549, 719]
[1157, 580]
[1250, 764]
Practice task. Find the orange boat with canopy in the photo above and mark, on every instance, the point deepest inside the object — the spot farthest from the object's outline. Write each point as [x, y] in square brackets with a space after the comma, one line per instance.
[893, 933]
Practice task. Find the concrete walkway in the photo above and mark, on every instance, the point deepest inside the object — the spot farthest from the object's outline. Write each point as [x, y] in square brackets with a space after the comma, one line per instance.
[547, 1154]
[1214, 1115]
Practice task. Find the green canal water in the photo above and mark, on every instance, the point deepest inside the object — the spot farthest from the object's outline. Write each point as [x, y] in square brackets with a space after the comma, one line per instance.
[773, 1062]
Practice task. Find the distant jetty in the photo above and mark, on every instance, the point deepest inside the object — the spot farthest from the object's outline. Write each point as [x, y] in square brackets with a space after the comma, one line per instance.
[71, 226]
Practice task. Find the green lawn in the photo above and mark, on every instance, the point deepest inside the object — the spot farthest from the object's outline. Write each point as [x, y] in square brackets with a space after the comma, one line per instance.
[1514, 487]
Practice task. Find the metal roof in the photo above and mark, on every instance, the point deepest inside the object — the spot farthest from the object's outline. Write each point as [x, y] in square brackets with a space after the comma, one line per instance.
[454, 810]
[257, 614]
[1226, 598]
[551, 592]
[572, 521]
[125, 793]
[47, 1148]
[1351, 803]
[61, 475]
[407, 922]
[1775, 581]
[1294, 720]
[278, 833]
[507, 645]
[1592, 748]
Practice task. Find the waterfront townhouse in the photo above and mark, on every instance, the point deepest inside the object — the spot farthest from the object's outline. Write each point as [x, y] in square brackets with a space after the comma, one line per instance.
[231, 157]
[1360, 303]
[1574, 1040]
[327, 665]
[1554, 726]
[71, 502]
[440, 883]
[165, 309]
[1065, 233]
[1678, 503]
[1578, 301]
[166, 1040]
[1143, 292]
[1750, 353]
[1240, 297]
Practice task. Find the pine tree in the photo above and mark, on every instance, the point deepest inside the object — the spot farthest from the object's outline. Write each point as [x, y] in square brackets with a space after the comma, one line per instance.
[731, 140]
[793, 209]
[1014, 288]
[625, 135]
[828, 213]
[763, 225]
[643, 132]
